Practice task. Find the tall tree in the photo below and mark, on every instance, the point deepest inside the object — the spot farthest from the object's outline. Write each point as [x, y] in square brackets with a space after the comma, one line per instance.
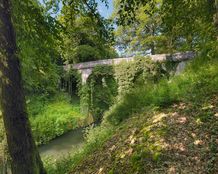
[25, 158]
[143, 35]
[87, 35]
[83, 40]
[187, 24]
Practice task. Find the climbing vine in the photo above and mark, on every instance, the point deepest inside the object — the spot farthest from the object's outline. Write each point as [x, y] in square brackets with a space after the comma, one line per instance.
[141, 70]
[108, 83]
[100, 91]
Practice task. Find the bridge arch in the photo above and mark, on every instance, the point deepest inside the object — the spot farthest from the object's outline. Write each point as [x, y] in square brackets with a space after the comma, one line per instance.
[102, 87]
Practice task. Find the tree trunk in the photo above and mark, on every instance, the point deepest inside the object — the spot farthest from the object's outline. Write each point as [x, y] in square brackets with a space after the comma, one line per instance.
[25, 158]
[216, 18]
[153, 43]
[152, 49]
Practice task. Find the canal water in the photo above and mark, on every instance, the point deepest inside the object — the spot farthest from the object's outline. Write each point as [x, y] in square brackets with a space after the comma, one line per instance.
[63, 145]
[57, 148]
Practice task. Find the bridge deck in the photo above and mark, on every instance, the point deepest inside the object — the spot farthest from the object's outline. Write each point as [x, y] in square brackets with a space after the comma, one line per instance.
[177, 57]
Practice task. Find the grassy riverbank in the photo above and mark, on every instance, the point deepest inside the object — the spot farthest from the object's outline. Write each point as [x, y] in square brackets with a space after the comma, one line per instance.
[52, 117]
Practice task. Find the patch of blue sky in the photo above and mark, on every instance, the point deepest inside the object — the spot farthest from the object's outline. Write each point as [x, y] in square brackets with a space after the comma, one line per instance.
[106, 12]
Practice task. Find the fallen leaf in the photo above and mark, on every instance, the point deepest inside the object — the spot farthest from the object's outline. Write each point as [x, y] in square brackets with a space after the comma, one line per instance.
[198, 142]
[112, 148]
[182, 120]
[129, 151]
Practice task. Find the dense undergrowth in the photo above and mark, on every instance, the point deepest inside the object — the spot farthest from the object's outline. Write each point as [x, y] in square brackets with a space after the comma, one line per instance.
[53, 117]
[194, 87]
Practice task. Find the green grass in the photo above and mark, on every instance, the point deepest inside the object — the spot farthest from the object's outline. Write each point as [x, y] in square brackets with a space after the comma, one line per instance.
[53, 117]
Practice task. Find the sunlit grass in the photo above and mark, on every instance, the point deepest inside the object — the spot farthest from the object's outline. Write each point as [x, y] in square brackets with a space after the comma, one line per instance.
[53, 117]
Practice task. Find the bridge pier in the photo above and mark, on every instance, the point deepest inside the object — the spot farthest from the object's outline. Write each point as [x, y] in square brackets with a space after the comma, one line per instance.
[85, 73]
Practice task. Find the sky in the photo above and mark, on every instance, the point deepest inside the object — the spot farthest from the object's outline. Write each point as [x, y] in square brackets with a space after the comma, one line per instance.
[104, 11]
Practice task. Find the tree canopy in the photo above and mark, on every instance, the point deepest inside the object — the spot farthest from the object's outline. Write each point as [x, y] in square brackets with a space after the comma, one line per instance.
[165, 25]
[86, 37]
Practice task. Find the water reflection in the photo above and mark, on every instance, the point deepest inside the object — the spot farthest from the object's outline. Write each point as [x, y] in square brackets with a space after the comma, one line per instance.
[69, 142]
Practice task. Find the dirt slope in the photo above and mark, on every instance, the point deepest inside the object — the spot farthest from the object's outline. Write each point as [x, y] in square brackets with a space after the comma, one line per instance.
[180, 139]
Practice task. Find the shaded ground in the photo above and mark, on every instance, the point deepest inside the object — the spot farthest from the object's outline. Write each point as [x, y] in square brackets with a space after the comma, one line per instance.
[180, 139]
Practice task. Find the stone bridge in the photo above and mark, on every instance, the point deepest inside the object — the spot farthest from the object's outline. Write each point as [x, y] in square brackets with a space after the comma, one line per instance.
[86, 68]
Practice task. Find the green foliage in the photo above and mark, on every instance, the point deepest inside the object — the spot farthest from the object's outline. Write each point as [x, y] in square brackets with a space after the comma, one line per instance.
[145, 31]
[160, 26]
[107, 82]
[37, 38]
[85, 53]
[74, 82]
[199, 80]
[141, 71]
[186, 33]
[53, 117]
[84, 93]
[86, 37]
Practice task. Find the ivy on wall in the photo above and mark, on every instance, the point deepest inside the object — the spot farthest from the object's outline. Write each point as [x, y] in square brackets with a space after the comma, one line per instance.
[108, 83]
[141, 70]
[102, 90]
